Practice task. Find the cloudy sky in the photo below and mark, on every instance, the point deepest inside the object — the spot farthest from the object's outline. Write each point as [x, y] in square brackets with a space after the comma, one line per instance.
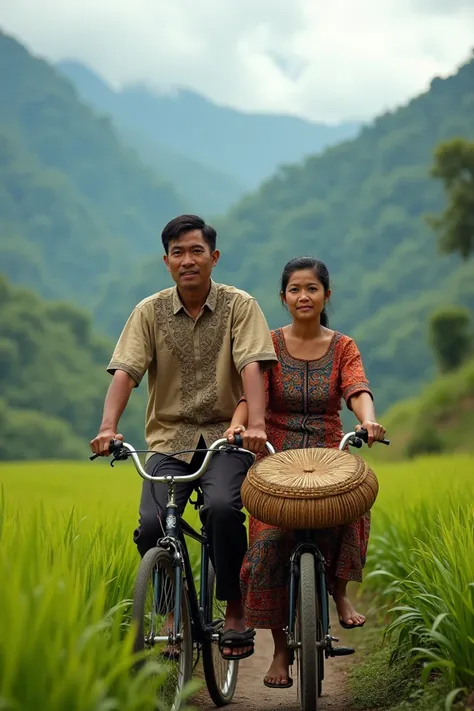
[326, 60]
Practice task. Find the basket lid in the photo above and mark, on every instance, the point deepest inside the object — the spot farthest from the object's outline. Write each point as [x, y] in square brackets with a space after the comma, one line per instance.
[308, 473]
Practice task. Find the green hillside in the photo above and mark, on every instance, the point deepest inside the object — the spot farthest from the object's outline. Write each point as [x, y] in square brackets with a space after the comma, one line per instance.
[204, 189]
[74, 203]
[440, 419]
[52, 378]
[360, 207]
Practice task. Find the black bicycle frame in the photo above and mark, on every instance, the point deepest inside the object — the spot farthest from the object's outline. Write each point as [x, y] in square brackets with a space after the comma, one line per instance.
[174, 541]
[307, 546]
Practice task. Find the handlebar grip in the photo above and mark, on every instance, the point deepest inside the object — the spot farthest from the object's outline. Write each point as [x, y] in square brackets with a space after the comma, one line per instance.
[364, 436]
[239, 442]
[114, 446]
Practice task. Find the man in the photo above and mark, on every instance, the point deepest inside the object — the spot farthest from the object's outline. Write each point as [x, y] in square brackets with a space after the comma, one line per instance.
[199, 341]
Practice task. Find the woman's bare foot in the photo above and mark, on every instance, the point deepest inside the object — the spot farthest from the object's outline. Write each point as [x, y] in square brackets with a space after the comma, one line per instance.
[347, 612]
[278, 674]
[345, 609]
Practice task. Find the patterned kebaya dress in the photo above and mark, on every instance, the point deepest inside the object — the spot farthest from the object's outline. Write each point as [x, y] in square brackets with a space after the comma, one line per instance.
[303, 402]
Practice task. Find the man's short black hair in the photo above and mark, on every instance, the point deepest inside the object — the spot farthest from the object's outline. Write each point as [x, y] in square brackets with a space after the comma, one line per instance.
[185, 223]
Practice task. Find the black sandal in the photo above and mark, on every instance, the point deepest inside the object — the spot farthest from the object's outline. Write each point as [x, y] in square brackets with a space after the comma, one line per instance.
[288, 684]
[231, 639]
[351, 627]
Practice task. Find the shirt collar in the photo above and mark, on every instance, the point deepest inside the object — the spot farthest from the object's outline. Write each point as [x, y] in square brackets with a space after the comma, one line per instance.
[210, 301]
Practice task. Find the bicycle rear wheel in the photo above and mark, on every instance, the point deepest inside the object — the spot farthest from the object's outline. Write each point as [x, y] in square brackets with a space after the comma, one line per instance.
[308, 624]
[153, 609]
[220, 675]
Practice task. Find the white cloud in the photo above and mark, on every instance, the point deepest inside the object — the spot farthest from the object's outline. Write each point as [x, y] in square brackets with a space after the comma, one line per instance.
[327, 61]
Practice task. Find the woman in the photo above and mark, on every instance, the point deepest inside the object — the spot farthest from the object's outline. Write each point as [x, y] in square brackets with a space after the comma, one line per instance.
[317, 367]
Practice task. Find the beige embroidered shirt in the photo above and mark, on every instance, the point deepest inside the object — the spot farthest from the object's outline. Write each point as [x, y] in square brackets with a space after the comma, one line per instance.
[194, 366]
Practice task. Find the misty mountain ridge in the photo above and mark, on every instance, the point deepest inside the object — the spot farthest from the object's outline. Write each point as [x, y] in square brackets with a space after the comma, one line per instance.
[212, 154]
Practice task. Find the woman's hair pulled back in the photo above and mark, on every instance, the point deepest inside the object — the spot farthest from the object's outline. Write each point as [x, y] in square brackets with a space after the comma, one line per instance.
[320, 271]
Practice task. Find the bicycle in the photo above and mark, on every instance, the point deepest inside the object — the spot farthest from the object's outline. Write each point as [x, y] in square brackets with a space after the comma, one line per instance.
[308, 629]
[167, 566]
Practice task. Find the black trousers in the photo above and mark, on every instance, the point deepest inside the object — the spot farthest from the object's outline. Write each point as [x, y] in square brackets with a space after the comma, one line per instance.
[221, 515]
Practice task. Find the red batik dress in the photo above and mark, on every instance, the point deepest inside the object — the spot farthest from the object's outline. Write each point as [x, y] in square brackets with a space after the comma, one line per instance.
[302, 410]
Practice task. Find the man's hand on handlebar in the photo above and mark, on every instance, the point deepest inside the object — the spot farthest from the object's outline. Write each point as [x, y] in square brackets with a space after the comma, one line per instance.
[376, 432]
[254, 439]
[100, 444]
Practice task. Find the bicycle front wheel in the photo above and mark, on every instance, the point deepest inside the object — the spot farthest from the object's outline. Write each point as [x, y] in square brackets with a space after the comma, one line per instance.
[154, 606]
[308, 624]
[220, 674]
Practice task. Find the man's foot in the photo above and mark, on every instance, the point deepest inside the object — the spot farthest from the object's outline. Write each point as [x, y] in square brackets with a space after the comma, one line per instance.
[234, 621]
[236, 645]
[278, 675]
[348, 615]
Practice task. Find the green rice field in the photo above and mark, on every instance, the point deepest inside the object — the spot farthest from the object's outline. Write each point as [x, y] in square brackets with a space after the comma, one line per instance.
[67, 566]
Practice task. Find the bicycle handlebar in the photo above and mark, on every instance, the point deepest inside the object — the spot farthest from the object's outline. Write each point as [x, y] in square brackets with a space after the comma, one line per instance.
[116, 446]
[355, 439]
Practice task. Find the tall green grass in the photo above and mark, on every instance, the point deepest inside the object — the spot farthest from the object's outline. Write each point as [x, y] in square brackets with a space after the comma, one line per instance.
[67, 580]
[421, 566]
[63, 601]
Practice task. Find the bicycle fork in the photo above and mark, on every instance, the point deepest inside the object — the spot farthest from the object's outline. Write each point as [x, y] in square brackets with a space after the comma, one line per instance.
[171, 543]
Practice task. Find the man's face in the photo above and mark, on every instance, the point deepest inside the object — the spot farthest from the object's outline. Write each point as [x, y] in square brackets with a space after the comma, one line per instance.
[190, 260]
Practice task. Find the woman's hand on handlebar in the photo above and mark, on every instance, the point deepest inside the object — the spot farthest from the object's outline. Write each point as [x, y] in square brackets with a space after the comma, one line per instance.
[233, 430]
[254, 439]
[100, 444]
[375, 431]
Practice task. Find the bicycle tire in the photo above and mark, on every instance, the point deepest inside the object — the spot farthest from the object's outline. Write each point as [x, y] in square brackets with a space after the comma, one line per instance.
[320, 660]
[164, 560]
[221, 692]
[308, 625]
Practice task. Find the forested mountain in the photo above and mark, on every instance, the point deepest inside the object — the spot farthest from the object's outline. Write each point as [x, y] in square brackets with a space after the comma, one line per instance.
[74, 203]
[80, 217]
[52, 378]
[361, 208]
[211, 153]
[204, 189]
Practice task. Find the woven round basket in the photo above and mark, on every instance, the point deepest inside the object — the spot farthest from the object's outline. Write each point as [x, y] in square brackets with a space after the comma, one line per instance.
[309, 488]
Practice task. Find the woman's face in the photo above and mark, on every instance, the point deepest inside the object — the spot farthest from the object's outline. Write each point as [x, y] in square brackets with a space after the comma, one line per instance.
[305, 296]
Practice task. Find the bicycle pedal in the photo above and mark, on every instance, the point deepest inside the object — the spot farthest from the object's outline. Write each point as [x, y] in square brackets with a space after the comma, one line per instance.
[341, 651]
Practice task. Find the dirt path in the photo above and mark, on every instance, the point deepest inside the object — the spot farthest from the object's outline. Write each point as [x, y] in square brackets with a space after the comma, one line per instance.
[252, 695]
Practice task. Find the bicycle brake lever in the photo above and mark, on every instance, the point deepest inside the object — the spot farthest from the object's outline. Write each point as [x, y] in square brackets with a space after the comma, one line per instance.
[120, 456]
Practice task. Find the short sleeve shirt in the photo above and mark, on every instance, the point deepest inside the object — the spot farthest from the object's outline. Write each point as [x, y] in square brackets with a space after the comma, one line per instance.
[194, 365]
